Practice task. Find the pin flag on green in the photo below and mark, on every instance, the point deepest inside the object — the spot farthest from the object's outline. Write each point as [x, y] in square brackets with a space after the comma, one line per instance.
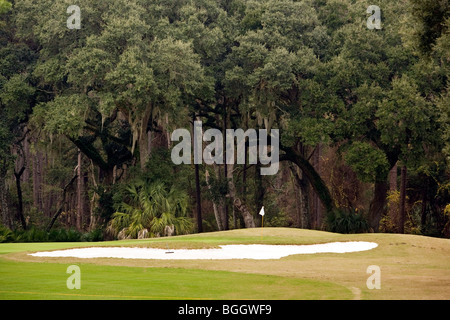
[261, 213]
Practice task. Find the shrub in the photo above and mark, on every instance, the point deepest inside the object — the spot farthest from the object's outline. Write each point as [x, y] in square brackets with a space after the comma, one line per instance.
[5, 234]
[55, 235]
[347, 221]
[151, 206]
[93, 236]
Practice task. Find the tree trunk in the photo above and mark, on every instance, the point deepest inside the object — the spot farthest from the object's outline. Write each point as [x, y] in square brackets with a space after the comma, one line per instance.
[402, 200]
[244, 176]
[377, 205]
[237, 202]
[311, 174]
[259, 190]
[197, 185]
[221, 206]
[304, 204]
[93, 218]
[93, 221]
[79, 194]
[317, 212]
[61, 206]
[244, 173]
[198, 199]
[392, 212]
[215, 206]
[37, 181]
[144, 150]
[4, 207]
[225, 166]
[225, 204]
[393, 178]
[19, 197]
[301, 191]
[423, 211]
[244, 188]
[26, 155]
[47, 205]
[167, 131]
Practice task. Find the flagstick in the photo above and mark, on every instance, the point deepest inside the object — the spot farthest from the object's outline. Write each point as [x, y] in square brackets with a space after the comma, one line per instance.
[261, 213]
[262, 226]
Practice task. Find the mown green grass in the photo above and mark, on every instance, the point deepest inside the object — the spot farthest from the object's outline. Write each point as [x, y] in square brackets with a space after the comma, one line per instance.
[45, 280]
[412, 267]
[19, 280]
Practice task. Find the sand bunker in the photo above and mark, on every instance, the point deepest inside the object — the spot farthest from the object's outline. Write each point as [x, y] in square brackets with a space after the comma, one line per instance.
[252, 251]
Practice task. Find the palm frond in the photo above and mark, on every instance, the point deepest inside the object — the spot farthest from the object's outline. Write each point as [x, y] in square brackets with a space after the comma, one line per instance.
[153, 207]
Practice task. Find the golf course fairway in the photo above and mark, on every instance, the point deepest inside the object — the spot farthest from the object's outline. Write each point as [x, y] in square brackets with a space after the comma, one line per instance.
[408, 267]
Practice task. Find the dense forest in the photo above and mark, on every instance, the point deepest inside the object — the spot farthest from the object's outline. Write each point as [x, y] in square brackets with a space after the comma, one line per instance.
[92, 91]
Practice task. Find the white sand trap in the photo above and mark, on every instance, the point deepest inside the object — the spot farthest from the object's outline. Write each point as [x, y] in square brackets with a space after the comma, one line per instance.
[252, 251]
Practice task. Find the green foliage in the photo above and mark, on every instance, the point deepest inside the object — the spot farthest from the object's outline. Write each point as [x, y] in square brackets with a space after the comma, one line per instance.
[310, 68]
[5, 6]
[55, 235]
[93, 236]
[15, 60]
[347, 221]
[159, 168]
[369, 163]
[151, 206]
[6, 235]
[6, 159]
[105, 208]
[63, 115]
[429, 20]
[218, 188]
[406, 119]
[444, 120]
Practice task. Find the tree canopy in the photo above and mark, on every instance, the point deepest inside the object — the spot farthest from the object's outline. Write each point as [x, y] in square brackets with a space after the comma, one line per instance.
[105, 98]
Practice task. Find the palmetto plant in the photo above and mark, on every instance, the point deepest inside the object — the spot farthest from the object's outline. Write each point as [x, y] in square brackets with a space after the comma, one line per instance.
[153, 207]
[347, 221]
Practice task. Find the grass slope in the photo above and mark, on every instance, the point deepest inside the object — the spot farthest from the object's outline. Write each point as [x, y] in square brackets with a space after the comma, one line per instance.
[412, 267]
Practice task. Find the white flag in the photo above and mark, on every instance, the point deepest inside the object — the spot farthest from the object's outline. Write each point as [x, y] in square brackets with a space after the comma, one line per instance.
[262, 211]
